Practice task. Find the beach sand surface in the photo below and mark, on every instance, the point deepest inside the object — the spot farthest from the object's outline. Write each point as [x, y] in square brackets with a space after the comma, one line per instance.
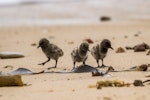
[19, 35]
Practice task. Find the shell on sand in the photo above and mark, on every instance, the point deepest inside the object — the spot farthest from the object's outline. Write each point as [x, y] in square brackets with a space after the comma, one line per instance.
[8, 54]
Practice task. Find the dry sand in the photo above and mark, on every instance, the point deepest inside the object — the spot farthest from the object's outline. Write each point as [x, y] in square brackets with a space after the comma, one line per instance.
[19, 38]
[74, 86]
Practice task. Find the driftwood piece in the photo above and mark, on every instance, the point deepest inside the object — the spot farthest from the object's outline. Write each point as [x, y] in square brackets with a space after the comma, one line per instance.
[10, 80]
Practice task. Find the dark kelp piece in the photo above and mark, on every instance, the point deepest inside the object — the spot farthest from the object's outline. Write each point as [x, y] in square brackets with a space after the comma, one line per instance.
[139, 48]
[84, 68]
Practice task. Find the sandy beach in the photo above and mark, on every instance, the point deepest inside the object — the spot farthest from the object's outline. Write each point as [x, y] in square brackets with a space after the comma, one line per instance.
[74, 86]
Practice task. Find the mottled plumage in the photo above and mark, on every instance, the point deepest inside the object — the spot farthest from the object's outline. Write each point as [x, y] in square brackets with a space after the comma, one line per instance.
[80, 54]
[50, 50]
[99, 51]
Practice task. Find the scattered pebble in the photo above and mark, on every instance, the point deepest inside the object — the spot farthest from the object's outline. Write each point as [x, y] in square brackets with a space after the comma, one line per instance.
[97, 73]
[143, 67]
[120, 50]
[51, 91]
[73, 90]
[33, 44]
[105, 18]
[90, 41]
[138, 83]
[68, 79]
[125, 36]
[136, 35]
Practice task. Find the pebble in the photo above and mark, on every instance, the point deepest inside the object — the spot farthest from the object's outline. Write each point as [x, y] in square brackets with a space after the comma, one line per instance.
[8, 54]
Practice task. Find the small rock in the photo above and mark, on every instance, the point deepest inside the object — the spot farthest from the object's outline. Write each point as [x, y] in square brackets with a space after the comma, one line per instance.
[136, 35]
[97, 73]
[68, 79]
[125, 36]
[110, 68]
[105, 18]
[138, 83]
[73, 90]
[51, 91]
[90, 41]
[33, 44]
[120, 50]
[143, 67]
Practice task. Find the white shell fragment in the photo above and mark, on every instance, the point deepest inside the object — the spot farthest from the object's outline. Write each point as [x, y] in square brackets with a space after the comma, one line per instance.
[8, 54]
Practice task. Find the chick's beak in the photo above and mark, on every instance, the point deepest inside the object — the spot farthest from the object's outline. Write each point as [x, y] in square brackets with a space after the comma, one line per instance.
[111, 48]
[38, 46]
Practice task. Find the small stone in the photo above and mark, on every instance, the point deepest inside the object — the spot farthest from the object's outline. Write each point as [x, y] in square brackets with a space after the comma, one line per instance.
[73, 90]
[120, 50]
[51, 91]
[90, 41]
[143, 67]
[136, 35]
[138, 83]
[96, 74]
[105, 18]
[125, 36]
[33, 44]
[68, 79]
